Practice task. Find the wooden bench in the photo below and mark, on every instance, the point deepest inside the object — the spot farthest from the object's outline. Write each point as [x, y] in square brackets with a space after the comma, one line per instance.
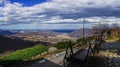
[79, 55]
[82, 54]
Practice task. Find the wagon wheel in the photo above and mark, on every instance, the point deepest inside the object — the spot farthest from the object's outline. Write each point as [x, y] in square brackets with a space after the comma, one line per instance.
[68, 55]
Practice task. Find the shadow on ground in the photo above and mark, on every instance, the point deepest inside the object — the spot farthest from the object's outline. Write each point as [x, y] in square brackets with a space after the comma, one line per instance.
[37, 63]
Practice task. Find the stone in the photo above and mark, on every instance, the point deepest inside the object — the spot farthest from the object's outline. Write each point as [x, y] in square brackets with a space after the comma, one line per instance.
[117, 64]
[57, 55]
[109, 61]
[63, 52]
[52, 49]
[114, 55]
[44, 53]
[110, 64]
[42, 61]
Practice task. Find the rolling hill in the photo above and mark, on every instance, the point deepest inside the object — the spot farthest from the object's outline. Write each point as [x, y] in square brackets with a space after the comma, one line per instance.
[79, 33]
[8, 44]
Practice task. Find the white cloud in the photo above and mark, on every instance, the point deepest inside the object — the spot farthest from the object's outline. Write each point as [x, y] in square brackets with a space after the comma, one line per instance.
[57, 11]
[109, 20]
[2, 2]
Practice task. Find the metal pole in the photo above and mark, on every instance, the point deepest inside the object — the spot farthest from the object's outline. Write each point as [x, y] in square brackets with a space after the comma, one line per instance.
[83, 31]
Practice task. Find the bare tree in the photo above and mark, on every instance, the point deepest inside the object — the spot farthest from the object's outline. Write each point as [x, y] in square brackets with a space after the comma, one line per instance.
[101, 29]
[114, 29]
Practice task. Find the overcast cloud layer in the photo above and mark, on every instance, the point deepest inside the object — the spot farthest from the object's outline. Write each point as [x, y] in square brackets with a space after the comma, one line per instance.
[60, 11]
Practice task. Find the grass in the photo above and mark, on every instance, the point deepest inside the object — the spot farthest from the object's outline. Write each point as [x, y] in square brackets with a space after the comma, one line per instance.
[20, 55]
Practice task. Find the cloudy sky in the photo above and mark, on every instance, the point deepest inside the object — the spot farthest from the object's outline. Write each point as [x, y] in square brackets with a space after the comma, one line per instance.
[56, 14]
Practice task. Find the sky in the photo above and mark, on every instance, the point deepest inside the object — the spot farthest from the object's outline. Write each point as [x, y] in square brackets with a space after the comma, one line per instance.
[57, 14]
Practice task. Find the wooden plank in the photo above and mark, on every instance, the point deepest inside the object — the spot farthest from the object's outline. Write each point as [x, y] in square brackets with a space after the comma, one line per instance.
[81, 54]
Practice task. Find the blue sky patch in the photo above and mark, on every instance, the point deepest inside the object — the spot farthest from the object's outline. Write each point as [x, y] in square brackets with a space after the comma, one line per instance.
[28, 2]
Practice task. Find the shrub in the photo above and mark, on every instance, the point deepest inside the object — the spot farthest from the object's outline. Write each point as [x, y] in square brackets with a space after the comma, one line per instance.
[62, 45]
[86, 39]
[109, 37]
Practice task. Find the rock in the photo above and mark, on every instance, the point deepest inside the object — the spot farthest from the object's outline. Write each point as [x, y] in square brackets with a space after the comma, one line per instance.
[62, 53]
[115, 55]
[57, 55]
[52, 49]
[44, 53]
[109, 61]
[117, 64]
[42, 61]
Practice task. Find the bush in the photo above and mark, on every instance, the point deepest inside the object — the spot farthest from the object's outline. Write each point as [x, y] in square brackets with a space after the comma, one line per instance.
[109, 37]
[118, 36]
[86, 39]
[62, 45]
[20, 55]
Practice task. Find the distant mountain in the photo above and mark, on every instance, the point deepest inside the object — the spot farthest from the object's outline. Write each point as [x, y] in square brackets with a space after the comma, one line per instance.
[34, 32]
[6, 32]
[37, 33]
[63, 31]
[79, 33]
[44, 36]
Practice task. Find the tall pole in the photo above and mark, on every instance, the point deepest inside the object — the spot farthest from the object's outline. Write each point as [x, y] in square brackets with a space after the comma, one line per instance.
[83, 31]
